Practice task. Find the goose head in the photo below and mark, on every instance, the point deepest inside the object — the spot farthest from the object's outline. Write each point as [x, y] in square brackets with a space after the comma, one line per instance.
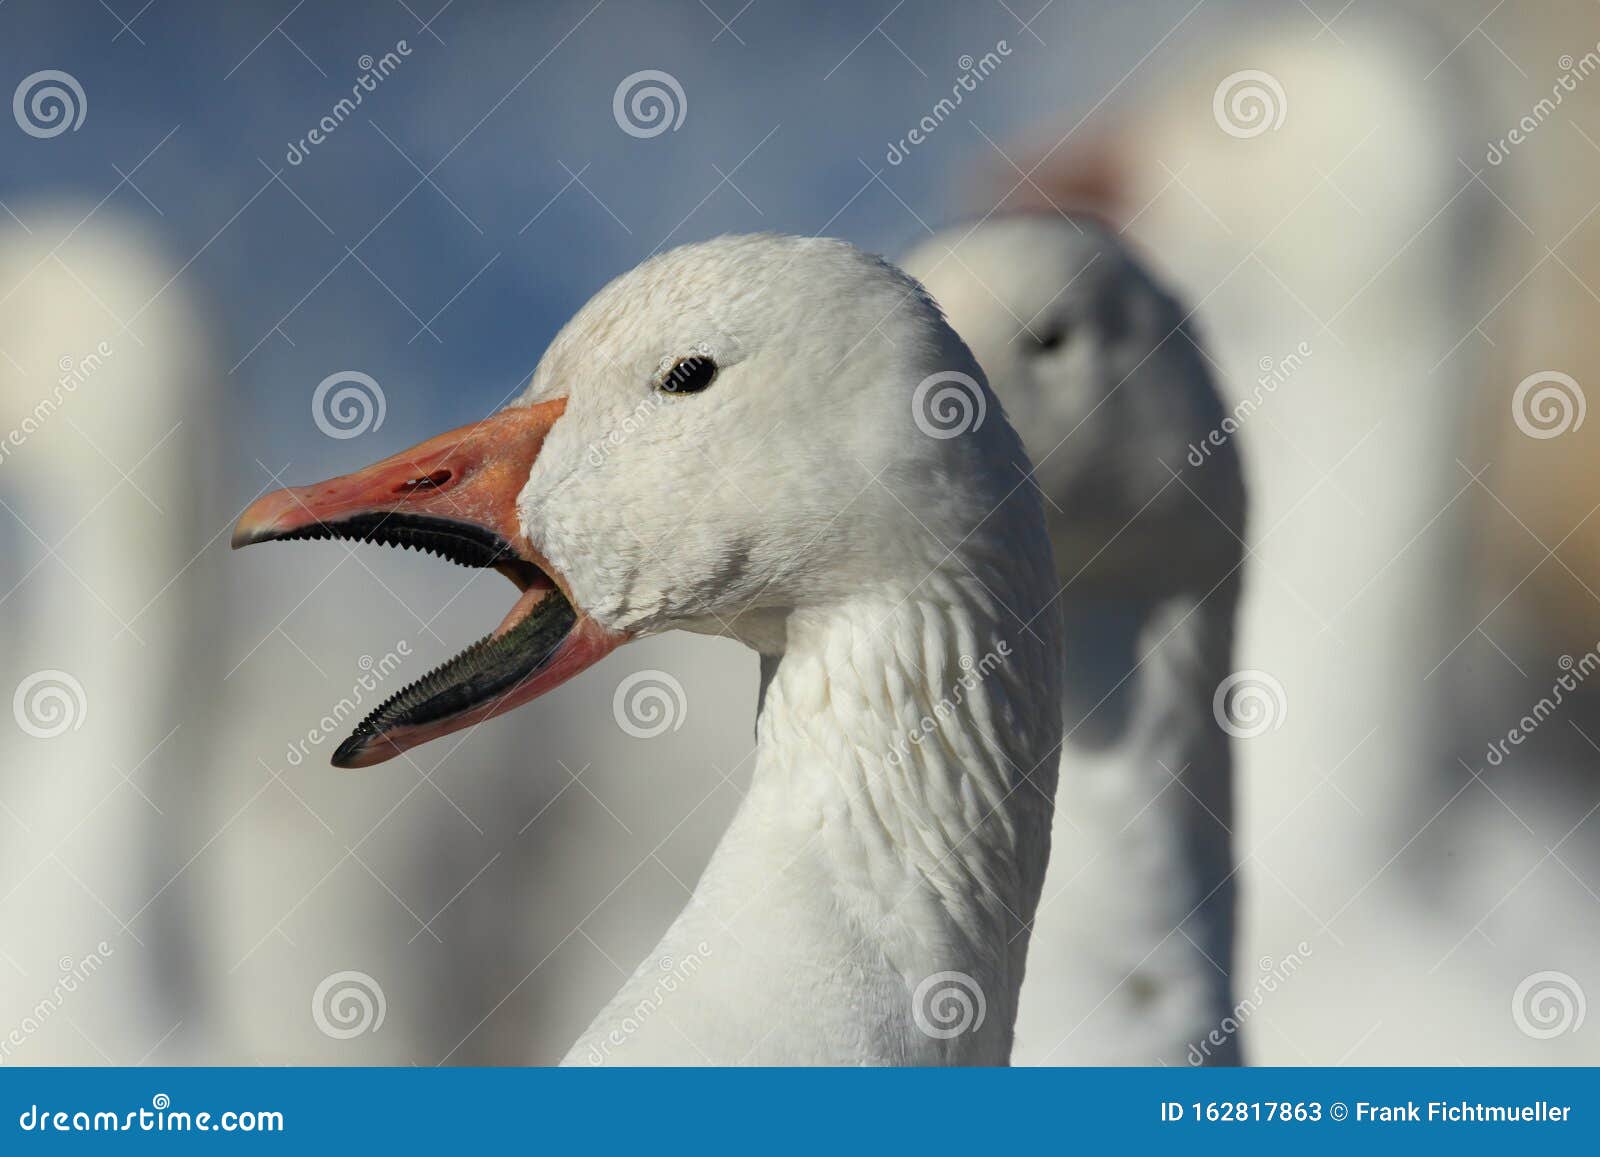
[697, 449]
[1102, 373]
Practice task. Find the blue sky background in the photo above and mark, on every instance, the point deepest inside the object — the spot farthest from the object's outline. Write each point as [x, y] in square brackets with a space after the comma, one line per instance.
[534, 196]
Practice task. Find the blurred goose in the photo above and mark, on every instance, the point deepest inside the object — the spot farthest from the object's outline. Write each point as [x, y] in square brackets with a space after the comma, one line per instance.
[1097, 368]
[1349, 227]
[109, 623]
[724, 440]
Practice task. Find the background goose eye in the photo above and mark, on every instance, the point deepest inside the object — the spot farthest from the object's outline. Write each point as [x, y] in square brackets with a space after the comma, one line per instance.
[689, 376]
[1051, 338]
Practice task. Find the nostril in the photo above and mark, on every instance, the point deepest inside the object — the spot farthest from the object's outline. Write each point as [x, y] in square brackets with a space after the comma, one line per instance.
[427, 482]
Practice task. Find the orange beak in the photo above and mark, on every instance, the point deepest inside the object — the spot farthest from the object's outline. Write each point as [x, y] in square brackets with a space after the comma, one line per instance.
[454, 495]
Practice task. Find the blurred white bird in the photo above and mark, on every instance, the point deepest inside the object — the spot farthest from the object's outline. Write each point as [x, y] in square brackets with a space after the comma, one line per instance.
[1100, 372]
[1323, 206]
[107, 643]
[772, 469]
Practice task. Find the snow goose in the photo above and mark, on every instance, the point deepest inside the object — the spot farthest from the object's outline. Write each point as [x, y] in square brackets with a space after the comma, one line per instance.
[1342, 236]
[1095, 365]
[776, 439]
[108, 660]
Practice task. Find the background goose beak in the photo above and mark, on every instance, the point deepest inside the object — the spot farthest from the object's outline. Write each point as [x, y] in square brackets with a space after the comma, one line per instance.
[454, 495]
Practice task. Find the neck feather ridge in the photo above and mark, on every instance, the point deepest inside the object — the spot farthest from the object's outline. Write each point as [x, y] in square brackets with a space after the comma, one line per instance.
[909, 743]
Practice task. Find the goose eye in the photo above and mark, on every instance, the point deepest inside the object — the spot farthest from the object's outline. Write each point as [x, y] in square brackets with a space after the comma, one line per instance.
[1050, 339]
[689, 376]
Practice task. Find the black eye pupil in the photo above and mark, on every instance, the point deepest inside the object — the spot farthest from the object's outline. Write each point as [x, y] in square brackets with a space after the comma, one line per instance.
[689, 376]
[1051, 339]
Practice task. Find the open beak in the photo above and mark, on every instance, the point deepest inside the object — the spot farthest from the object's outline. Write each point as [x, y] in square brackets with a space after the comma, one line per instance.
[454, 495]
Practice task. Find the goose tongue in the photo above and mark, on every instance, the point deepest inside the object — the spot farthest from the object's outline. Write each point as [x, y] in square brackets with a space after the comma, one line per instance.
[455, 496]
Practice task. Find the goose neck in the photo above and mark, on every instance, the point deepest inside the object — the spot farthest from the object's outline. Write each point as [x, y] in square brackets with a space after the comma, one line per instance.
[906, 750]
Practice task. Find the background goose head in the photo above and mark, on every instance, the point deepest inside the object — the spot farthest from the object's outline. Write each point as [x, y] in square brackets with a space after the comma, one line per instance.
[721, 438]
[1135, 935]
[1101, 371]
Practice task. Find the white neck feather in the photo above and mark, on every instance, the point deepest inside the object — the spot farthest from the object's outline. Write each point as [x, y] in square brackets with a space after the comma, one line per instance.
[896, 828]
[1136, 927]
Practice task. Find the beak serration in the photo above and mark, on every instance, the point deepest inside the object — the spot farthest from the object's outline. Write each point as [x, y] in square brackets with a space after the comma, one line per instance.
[486, 671]
[459, 542]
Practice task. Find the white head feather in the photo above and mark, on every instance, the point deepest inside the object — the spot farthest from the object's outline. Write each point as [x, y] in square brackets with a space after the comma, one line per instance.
[896, 578]
[723, 510]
